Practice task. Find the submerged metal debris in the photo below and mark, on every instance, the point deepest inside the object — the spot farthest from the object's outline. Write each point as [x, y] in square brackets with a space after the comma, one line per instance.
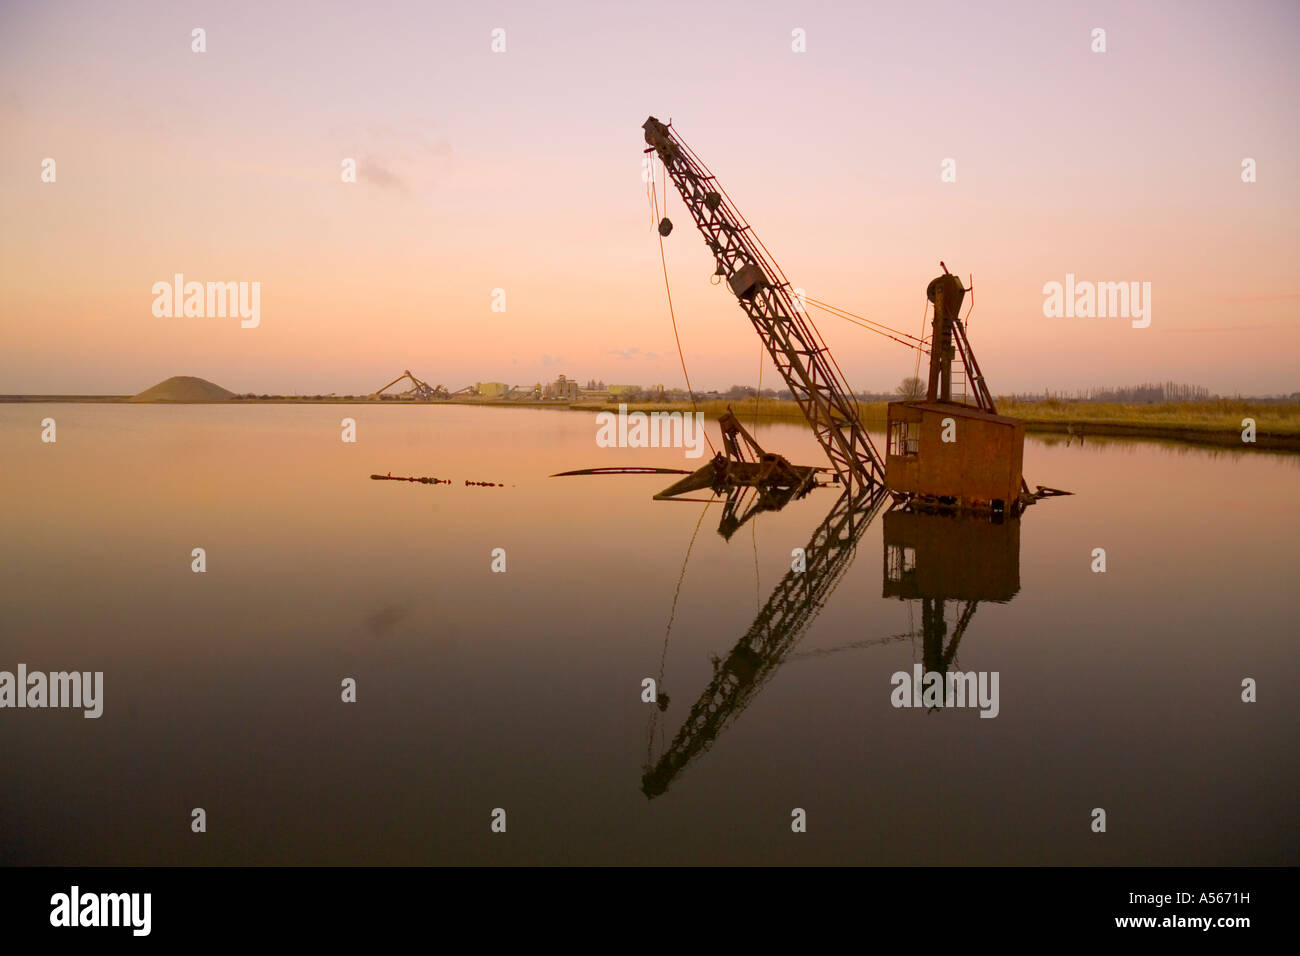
[437, 481]
[627, 470]
[424, 481]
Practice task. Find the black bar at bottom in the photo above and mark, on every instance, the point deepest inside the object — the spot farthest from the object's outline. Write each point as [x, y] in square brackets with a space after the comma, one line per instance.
[654, 905]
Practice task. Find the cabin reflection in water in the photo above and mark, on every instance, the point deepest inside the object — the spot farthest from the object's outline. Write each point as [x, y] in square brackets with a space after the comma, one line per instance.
[936, 558]
[932, 558]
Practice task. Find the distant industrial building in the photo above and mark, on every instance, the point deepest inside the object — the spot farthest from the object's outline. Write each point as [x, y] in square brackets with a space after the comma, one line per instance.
[562, 390]
[524, 393]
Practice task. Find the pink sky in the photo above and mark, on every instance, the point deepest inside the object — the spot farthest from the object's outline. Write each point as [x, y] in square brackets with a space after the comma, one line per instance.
[521, 171]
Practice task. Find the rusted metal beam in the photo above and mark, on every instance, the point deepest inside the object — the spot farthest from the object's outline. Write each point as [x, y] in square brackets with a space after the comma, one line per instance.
[764, 293]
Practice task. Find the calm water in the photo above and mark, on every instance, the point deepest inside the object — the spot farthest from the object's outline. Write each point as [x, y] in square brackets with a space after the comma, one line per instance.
[478, 690]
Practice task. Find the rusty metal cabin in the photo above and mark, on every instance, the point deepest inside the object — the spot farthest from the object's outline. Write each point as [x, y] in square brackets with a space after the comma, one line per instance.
[979, 467]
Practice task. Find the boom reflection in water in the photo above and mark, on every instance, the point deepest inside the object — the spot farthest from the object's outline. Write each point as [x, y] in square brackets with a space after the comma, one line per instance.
[930, 557]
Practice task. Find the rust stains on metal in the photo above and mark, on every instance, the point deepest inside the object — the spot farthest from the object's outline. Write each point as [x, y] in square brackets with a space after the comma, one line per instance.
[943, 450]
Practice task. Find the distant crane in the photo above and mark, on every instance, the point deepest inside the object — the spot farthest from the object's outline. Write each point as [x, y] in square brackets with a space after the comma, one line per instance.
[419, 391]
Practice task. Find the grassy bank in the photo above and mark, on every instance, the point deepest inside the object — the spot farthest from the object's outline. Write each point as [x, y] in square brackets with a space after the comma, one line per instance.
[1216, 421]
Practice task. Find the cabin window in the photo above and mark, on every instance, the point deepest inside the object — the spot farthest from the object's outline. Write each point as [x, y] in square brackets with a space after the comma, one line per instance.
[901, 560]
[904, 438]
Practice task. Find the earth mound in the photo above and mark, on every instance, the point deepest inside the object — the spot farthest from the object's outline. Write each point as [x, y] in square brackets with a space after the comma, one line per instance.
[184, 388]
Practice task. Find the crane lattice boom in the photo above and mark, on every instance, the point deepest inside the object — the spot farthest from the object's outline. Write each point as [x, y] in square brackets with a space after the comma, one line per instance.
[790, 338]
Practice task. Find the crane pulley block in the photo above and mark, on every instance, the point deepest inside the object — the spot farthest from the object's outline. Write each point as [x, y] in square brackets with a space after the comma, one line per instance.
[748, 281]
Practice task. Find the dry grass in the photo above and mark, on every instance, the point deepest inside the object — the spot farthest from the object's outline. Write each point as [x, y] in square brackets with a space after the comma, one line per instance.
[1214, 415]
[1221, 416]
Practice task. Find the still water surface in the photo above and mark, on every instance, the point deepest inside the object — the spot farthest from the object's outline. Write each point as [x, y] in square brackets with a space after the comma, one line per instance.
[522, 690]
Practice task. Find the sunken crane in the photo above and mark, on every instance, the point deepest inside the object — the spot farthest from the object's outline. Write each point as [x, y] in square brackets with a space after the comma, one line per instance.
[796, 349]
[942, 452]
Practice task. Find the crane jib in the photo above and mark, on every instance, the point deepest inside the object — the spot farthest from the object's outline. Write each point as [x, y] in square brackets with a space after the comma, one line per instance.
[791, 340]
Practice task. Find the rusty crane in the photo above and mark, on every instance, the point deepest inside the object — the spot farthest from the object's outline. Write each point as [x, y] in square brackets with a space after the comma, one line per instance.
[791, 340]
[943, 450]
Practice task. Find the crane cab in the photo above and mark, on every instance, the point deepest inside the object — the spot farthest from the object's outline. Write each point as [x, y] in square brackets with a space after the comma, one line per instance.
[952, 454]
[948, 453]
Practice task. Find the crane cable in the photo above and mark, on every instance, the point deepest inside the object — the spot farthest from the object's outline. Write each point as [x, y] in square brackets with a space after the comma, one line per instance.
[672, 614]
[753, 525]
[925, 310]
[771, 263]
[649, 200]
[672, 314]
[888, 331]
[771, 260]
[870, 325]
[918, 347]
[918, 344]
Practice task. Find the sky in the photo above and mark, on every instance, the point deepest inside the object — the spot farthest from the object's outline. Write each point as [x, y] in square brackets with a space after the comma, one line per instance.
[522, 171]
